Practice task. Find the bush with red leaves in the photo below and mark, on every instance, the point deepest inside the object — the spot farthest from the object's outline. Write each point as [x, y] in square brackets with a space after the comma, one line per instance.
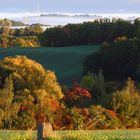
[77, 96]
[111, 112]
[23, 108]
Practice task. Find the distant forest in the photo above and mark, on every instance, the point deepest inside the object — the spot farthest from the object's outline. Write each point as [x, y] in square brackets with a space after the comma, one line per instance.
[87, 33]
[90, 33]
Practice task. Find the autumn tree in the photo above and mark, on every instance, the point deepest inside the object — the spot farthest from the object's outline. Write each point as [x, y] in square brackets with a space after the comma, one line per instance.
[3, 42]
[126, 103]
[8, 108]
[6, 26]
[36, 89]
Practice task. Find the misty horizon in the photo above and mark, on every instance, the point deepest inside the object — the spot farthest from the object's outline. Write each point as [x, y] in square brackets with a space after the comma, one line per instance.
[28, 14]
[77, 11]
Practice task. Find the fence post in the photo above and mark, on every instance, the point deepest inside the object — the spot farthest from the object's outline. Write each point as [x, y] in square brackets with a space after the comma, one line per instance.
[40, 131]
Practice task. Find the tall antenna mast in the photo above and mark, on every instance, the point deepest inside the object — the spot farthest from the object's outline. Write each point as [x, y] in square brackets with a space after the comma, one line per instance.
[38, 9]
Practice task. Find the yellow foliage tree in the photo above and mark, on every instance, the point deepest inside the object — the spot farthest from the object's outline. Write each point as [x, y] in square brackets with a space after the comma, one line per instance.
[36, 89]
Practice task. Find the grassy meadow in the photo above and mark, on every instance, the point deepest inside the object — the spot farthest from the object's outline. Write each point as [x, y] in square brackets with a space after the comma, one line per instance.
[66, 62]
[17, 135]
[75, 135]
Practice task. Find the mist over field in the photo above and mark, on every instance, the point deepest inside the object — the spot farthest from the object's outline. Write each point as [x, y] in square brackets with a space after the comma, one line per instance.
[55, 19]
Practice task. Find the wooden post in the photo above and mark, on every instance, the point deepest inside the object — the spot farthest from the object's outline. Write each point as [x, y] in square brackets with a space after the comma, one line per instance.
[40, 131]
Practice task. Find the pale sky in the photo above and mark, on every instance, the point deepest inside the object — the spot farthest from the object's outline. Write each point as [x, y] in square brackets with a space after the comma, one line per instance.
[72, 6]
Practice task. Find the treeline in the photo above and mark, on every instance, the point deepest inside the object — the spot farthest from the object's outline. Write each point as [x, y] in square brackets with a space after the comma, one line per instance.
[118, 60]
[24, 37]
[89, 33]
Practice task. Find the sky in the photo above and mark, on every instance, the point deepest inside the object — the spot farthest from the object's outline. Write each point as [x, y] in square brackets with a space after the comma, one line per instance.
[71, 6]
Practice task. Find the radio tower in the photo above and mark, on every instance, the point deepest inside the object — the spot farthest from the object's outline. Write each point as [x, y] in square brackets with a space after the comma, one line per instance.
[38, 9]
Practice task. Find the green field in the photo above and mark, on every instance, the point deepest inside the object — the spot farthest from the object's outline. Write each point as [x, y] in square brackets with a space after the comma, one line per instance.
[75, 135]
[67, 62]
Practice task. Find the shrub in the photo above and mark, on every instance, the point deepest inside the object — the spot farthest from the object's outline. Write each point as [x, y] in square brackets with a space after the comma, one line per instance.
[126, 104]
[77, 119]
[88, 82]
[77, 96]
[101, 91]
[101, 118]
[25, 120]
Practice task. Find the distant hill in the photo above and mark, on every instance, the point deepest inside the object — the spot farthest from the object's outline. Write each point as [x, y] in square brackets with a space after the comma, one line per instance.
[17, 23]
[66, 62]
[14, 23]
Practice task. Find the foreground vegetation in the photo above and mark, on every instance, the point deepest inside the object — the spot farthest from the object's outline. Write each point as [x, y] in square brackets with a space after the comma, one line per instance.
[75, 135]
[33, 95]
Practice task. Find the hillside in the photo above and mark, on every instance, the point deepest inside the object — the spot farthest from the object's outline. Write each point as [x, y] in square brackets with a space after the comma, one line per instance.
[67, 62]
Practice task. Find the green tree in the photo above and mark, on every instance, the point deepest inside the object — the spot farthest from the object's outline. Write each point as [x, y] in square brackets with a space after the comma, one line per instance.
[96, 84]
[88, 82]
[35, 29]
[137, 27]
[19, 42]
[119, 60]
